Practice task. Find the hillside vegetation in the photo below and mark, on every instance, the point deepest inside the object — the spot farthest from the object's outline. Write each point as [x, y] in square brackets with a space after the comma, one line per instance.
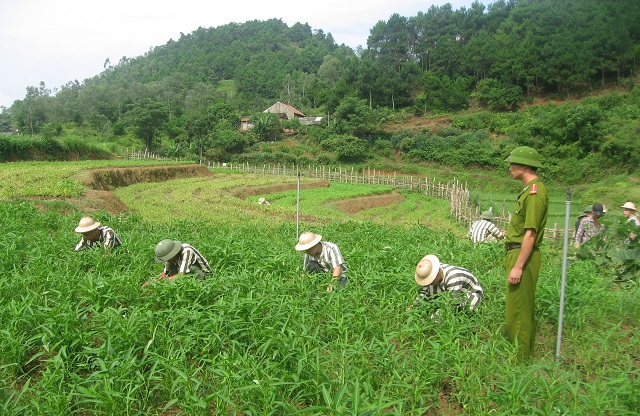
[473, 66]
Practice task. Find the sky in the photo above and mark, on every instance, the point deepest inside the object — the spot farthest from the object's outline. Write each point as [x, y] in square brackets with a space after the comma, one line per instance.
[58, 41]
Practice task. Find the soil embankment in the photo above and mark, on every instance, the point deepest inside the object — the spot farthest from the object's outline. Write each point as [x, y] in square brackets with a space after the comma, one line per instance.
[101, 182]
[111, 178]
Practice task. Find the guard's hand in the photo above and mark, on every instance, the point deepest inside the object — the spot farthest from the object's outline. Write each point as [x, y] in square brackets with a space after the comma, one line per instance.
[515, 275]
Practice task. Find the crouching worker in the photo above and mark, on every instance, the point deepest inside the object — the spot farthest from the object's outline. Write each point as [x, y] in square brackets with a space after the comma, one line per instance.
[436, 277]
[322, 257]
[96, 235]
[180, 259]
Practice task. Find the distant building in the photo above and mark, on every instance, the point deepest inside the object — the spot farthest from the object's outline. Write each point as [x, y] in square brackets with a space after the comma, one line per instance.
[284, 111]
[245, 125]
[310, 121]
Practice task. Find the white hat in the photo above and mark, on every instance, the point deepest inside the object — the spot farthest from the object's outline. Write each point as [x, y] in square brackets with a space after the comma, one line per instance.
[307, 240]
[427, 270]
[87, 224]
[629, 205]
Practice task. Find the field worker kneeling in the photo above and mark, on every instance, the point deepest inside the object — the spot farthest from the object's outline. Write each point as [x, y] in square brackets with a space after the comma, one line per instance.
[181, 259]
[436, 277]
[484, 230]
[322, 256]
[94, 235]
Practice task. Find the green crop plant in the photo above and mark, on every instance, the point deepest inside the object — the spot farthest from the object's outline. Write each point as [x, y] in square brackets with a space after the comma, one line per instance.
[80, 335]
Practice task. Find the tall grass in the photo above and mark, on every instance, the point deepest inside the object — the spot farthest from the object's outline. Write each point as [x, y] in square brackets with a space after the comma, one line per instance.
[79, 335]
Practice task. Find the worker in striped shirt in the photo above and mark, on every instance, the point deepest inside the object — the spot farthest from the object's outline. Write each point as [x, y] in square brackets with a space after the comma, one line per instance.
[484, 230]
[181, 259]
[436, 277]
[322, 256]
[96, 235]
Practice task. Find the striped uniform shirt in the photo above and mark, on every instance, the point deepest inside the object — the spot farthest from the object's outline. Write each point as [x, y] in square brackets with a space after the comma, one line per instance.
[632, 237]
[329, 258]
[587, 229]
[484, 231]
[107, 239]
[459, 281]
[190, 259]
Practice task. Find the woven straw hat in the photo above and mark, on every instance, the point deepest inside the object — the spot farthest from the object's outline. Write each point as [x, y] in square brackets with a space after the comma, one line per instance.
[427, 270]
[629, 205]
[307, 240]
[167, 249]
[87, 224]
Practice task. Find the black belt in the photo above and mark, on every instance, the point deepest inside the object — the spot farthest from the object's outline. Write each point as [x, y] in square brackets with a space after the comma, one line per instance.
[511, 246]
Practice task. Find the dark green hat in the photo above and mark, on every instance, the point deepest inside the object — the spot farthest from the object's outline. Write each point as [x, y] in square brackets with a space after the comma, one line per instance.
[525, 155]
[487, 215]
[167, 249]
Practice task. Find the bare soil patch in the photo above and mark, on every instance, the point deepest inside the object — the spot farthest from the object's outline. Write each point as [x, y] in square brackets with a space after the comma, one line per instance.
[432, 124]
[355, 205]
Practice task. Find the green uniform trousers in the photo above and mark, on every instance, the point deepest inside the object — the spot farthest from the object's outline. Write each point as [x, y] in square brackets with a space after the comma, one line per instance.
[520, 303]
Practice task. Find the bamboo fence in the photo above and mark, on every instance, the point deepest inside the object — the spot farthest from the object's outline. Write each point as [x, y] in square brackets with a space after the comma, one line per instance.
[146, 155]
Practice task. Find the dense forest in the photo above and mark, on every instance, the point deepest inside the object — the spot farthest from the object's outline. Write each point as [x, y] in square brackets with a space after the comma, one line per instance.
[187, 96]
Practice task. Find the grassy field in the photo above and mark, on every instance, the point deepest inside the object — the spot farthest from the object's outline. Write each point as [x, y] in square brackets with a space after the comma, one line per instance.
[79, 335]
[53, 179]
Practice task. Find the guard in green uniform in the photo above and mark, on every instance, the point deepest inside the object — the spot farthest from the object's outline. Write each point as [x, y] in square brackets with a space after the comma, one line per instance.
[523, 240]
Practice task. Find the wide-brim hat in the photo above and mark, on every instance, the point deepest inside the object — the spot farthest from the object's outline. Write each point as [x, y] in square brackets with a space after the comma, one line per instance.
[307, 240]
[427, 270]
[629, 205]
[167, 249]
[87, 224]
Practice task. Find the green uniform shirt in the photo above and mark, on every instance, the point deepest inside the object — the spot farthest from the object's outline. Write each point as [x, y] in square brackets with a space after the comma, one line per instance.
[530, 211]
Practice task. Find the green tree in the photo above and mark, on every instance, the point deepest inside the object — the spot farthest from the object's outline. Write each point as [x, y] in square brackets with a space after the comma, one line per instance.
[353, 116]
[266, 127]
[147, 118]
[348, 148]
[497, 95]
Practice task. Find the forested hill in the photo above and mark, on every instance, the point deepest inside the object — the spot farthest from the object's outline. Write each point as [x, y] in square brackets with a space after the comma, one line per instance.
[246, 63]
[498, 55]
